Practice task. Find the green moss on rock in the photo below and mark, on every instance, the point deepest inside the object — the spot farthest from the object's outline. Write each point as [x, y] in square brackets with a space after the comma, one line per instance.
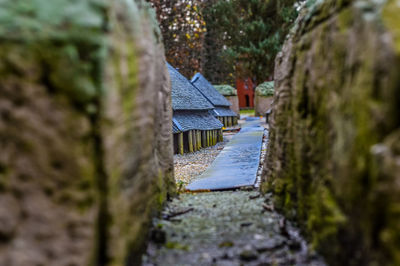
[331, 149]
[391, 20]
[85, 131]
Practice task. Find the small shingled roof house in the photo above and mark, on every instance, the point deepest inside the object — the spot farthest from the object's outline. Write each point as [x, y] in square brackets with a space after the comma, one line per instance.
[221, 105]
[193, 125]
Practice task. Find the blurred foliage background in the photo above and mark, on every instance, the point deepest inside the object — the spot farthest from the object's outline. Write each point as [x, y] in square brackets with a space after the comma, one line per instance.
[225, 40]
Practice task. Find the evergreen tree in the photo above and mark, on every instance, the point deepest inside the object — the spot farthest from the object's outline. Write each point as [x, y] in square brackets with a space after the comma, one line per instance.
[218, 68]
[245, 36]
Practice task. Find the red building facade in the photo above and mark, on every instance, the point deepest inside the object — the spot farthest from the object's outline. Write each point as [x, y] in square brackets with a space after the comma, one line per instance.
[245, 91]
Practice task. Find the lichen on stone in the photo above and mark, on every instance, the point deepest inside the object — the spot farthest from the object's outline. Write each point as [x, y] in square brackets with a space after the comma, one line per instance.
[84, 130]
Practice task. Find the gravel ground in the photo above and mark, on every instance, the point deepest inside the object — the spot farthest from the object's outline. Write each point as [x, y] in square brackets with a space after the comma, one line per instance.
[190, 165]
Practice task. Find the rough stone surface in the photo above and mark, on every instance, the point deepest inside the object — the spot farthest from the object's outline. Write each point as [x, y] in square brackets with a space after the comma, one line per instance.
[226, 228]
[86, 154]
[333, 160]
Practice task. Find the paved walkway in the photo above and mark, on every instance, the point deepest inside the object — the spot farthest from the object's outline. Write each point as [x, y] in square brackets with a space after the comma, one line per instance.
[236, 166]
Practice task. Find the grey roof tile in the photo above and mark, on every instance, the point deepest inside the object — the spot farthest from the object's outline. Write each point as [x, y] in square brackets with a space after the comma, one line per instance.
[208, 90]
[184, 95]
[194, 120]
[223, 111]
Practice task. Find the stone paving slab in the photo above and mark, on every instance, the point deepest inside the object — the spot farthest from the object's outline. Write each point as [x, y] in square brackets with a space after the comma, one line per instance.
[236, 166]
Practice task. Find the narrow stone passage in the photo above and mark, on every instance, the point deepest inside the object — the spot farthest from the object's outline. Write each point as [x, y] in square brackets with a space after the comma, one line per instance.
[238, 227]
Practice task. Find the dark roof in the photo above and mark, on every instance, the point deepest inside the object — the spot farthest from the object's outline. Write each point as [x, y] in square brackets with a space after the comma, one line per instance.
[194, 120]
[209, 91]
[184, 95]
[223, 111]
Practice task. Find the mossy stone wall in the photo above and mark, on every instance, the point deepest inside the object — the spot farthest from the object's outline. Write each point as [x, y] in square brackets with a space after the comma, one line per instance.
[333, 159]
[138, 139]
[85, 133]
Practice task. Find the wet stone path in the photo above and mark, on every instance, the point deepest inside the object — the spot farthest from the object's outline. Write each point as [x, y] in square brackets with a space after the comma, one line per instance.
[237, 227]
[236, 166]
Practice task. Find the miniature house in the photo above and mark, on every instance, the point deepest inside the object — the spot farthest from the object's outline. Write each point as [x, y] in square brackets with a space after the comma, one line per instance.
[221, 105]
[194, 127]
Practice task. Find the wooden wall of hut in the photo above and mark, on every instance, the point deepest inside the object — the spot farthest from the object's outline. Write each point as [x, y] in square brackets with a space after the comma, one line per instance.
[186, 142]
[194, 140]
[228, 121]
[176, 145]
[235, 120]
